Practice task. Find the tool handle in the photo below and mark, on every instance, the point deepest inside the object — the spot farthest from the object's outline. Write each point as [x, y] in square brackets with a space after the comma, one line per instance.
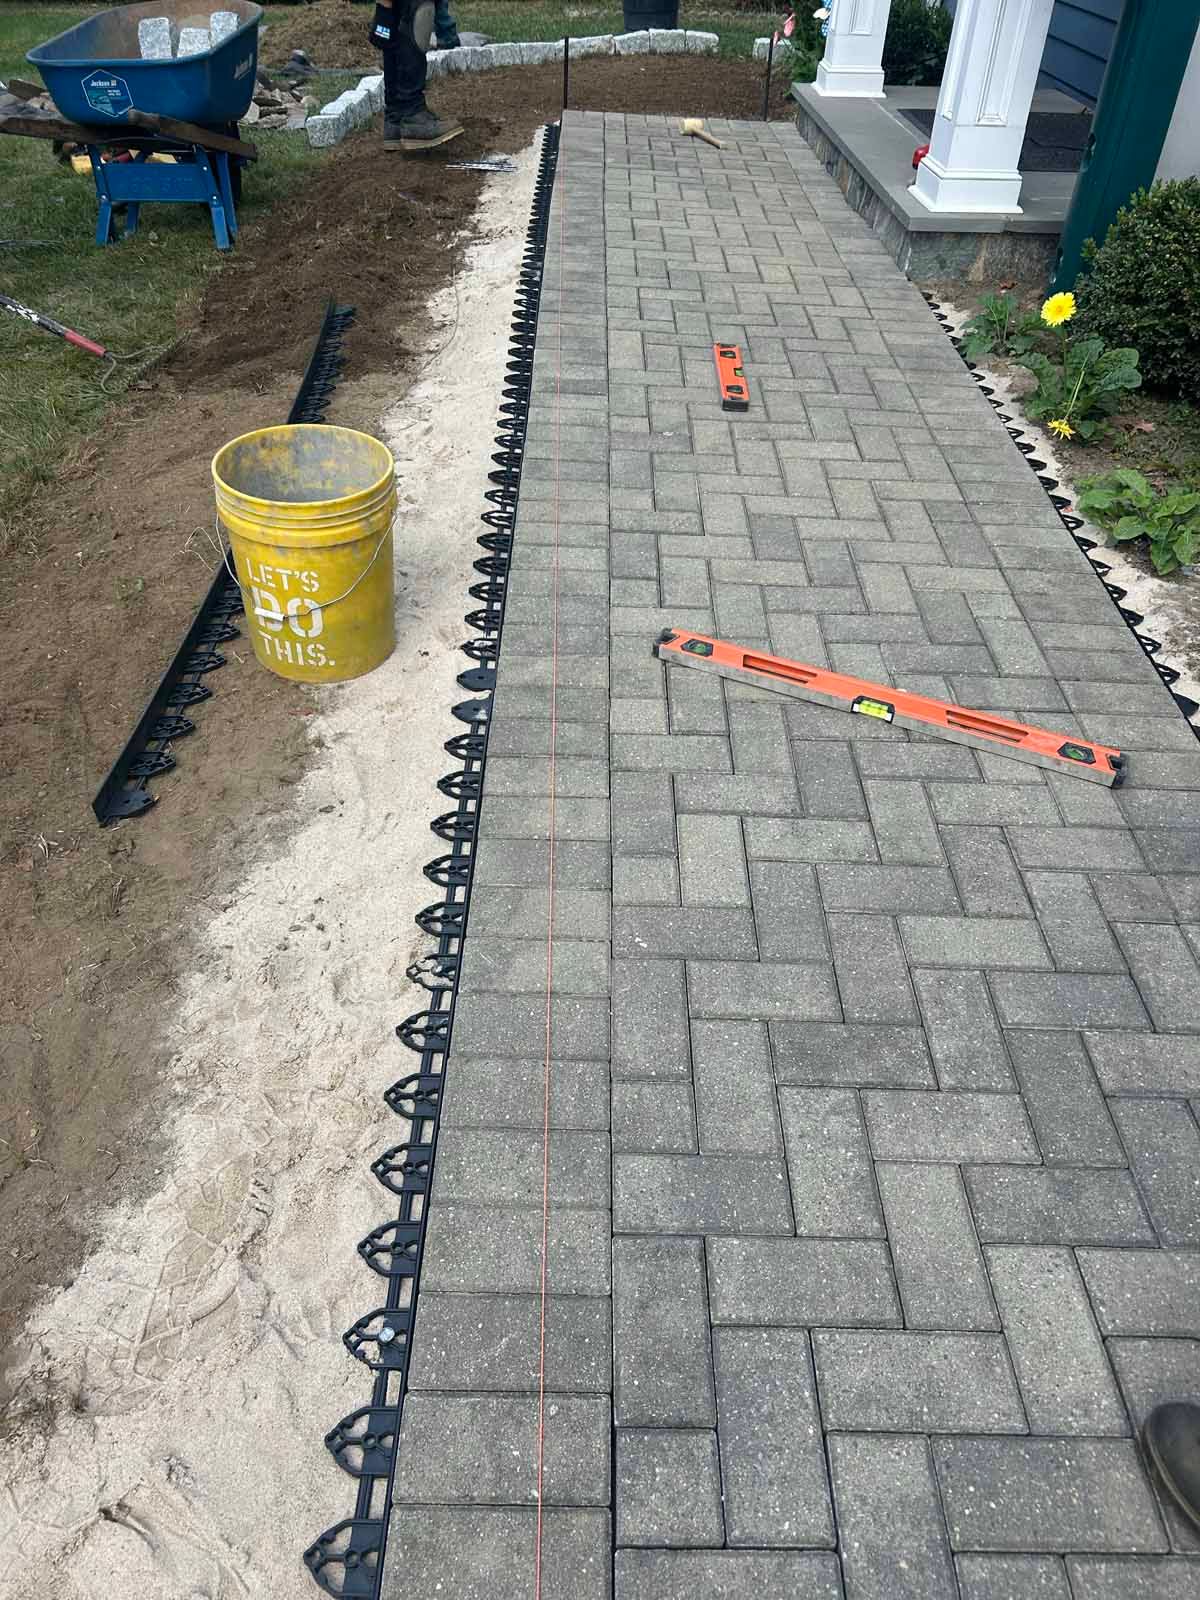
[49, 325]
[90, 345]
[708, 139]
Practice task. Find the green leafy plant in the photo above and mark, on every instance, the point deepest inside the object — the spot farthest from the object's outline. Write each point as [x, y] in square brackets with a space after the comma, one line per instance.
[1081, 388]
[1144, 284]
[1001, 325]
[917, 39]
[1128, 506]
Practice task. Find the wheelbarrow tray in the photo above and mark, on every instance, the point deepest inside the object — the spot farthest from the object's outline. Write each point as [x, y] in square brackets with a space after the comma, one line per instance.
[95, 74]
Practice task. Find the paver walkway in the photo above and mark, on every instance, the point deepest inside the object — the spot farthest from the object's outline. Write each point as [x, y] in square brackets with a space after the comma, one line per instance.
[897, 1042]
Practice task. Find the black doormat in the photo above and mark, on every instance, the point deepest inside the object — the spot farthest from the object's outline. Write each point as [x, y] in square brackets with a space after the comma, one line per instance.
[1054, 140]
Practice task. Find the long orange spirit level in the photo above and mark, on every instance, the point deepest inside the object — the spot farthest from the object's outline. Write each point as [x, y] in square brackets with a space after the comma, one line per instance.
[1058, 752]
[735, 391]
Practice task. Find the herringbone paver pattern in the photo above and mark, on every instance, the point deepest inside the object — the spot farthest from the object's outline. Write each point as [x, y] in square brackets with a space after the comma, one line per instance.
[895, 1046]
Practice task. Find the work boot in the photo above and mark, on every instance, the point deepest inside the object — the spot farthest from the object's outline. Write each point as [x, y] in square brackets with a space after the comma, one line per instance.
[1171, 1435]
[452, 43]
[421, 131]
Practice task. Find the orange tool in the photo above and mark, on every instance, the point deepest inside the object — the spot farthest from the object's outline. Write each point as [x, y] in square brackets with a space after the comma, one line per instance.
[735, 392]
[1057, 752]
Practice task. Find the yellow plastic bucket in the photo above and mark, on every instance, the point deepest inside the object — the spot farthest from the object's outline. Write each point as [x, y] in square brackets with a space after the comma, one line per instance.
[308, 510]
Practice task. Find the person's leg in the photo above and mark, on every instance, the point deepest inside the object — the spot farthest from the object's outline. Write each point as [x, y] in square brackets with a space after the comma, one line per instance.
[404, 73]
[445, 26]
[408, 123]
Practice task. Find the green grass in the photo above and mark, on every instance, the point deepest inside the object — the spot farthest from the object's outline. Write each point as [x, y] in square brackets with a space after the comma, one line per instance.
[134, 296]
[505, 22]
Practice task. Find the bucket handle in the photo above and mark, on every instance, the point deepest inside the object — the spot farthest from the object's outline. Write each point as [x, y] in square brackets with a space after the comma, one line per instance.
[313, 605]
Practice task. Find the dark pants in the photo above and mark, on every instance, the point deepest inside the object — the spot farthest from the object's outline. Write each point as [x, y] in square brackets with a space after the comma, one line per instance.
[403, 79]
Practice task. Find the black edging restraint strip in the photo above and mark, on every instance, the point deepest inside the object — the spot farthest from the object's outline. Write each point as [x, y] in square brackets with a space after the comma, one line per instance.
[147, 753]
[347, 1559]
[1133, 619]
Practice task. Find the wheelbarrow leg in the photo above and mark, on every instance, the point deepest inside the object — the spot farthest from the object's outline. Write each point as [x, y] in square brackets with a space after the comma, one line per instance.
[104, 221]
[224, 163]
[216, 197]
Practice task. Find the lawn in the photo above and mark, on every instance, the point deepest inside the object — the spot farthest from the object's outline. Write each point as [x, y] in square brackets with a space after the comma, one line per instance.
[135, 296]
[505, 20]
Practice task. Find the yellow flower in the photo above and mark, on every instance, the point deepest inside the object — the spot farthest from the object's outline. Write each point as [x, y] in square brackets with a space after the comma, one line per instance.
[1058, 309]
[1062, 428]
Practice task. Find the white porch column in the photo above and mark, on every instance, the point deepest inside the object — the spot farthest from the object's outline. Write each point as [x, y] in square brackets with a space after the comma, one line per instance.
[852, 64]
[983, 106]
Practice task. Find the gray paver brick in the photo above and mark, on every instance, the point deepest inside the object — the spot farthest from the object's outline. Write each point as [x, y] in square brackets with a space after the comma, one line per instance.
[1154, 1292]
[1046, 1494]
[995, 803]
[682, 931]
[499, 1249]
[989, 884]
[1132, 1578]
[772, 1454]
[518, 913]
[769, 990]
[801, 1282]
[511, 1094]
[828, 779]
[887, 888]
[735, 1088]
[700, 1194]
[829, 1164]
[1137, 1063]
[491, 1341]
[787, 912]
[960, 1024]
[1056, 1205]
[1105, 849]
[915, 1125]
[889, 1382]
[891, 1532]
[758, 735]
[939, 1268]
[506, 1165]
[904, 829]
[855, 1055]
[1063, 1099]
[645, 881]
[726, 1575]
[643, 815]
[1012, 1578]
[649, 1020]
[772, 795]
[662, 1360]
[438, 1455]
[1062, 1370]
[1067, 1000]
[1163, 1144]
[471, 1552]
[656, 1118]
[985, 942]
[668, 1487]
[515, 1025]
[712, 861]
[872, 974]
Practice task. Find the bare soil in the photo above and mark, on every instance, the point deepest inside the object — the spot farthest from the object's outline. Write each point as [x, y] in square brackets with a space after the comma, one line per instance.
[96, 923]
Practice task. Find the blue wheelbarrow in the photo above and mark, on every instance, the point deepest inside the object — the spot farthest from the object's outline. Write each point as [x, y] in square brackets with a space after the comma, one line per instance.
[187, 107]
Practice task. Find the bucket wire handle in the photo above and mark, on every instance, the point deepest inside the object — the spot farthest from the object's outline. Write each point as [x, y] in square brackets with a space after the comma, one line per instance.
[313, 605]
